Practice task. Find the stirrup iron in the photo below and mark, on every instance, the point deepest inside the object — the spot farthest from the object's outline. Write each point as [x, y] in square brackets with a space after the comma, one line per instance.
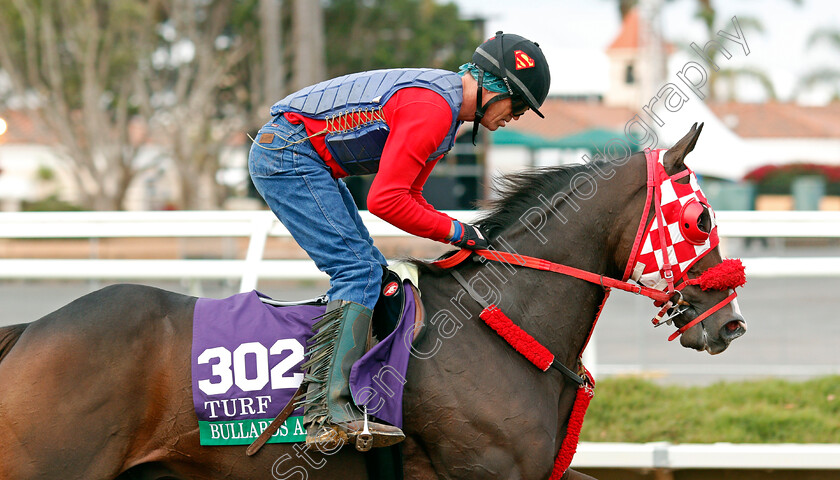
[364, 441]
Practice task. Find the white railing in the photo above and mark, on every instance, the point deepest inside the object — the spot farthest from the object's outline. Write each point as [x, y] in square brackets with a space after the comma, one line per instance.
[723, 456]
[259, 225]
[769, 224]
[255, 225]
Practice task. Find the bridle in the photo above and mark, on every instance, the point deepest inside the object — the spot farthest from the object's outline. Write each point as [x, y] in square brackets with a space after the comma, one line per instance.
[673, 277]
[665, 250]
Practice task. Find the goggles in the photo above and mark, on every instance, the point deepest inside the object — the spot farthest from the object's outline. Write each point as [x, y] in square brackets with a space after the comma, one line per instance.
[518, 106]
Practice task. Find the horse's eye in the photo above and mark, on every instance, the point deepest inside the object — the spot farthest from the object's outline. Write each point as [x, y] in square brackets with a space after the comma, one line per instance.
[704, 223]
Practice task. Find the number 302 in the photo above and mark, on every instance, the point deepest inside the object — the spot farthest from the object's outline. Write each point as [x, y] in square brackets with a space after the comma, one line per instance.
[227, 376]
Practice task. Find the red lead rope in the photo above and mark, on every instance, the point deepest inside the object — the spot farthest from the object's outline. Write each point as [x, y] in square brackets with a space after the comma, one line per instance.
[545, 265]
[735, 277]
[543, 358]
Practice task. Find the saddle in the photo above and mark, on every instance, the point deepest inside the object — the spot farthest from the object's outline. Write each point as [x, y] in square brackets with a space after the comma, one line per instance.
[389, 310]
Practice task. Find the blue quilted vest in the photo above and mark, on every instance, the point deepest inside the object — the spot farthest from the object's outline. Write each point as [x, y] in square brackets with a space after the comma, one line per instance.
[356, 145]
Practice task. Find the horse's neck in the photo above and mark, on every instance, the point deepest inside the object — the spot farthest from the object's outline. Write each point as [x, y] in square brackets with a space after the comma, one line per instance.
[589, 234]
[557, 310]
[475, 377]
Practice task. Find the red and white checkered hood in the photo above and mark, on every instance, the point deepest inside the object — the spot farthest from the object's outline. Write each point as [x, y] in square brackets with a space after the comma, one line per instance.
[672, 197]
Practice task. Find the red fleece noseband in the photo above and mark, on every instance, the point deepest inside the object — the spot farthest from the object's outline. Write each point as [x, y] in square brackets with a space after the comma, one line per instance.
[728, 274]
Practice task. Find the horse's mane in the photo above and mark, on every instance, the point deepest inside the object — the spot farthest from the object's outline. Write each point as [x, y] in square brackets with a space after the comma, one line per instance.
[516, 193]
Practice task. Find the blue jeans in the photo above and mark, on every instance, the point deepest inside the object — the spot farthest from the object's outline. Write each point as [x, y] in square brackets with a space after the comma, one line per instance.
[318, 211]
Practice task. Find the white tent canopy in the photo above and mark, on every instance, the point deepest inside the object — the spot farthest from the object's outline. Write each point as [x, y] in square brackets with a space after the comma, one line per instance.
[719, 151]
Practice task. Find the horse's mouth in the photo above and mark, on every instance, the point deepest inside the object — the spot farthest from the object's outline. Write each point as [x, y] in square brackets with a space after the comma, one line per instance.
[719, 343]
[715, 348]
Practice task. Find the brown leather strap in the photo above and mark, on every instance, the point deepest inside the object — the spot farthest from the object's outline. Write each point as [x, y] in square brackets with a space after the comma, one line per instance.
[419, 312]
[275, 424]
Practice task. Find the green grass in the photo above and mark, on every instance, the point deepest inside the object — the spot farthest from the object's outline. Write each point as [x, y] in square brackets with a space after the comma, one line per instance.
[767, 411]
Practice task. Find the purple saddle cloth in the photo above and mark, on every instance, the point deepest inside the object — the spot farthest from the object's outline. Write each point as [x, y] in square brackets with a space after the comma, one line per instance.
[246, 357]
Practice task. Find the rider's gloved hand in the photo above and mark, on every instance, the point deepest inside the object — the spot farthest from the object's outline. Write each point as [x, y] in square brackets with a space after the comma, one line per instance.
[468, 236]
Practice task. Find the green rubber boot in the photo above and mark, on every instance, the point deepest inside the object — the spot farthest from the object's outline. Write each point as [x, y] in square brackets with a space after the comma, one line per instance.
[331, 417]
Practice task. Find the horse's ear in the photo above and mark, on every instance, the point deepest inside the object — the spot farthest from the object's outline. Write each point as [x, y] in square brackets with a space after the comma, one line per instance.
[675, 156]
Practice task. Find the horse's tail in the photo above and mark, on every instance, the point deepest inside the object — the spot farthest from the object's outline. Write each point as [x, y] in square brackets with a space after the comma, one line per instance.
[9, 337]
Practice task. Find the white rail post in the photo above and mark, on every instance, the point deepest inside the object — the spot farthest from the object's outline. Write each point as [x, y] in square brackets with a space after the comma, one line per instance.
[260, 226]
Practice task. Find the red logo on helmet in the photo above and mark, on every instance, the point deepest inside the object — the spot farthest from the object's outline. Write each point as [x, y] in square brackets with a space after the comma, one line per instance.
[523, 60]
[390, 289]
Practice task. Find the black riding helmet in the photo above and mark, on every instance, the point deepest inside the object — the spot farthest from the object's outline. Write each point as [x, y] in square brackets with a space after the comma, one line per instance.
[520, 64]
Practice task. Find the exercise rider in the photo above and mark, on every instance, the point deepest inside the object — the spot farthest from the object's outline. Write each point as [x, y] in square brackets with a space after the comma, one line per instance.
[396, 123]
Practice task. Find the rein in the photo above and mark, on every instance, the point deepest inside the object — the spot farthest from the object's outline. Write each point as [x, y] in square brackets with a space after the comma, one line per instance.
[658, 296]
[545, 265]
[521, 341]
[514, 335]
[539, 355]
[528, 346]
[729, 274]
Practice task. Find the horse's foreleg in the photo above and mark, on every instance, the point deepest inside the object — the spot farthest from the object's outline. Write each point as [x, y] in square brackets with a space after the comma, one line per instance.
[573, 475]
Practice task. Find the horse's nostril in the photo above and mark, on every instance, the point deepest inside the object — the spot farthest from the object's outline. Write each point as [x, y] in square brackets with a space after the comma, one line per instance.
[733, 329]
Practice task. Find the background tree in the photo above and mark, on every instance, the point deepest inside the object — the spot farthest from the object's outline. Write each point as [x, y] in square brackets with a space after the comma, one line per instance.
[107, 77]
[396, 33]
[189, 78]
[827, 77]
[708, 14]
[308, 32]
[189, 87]
[74, 62]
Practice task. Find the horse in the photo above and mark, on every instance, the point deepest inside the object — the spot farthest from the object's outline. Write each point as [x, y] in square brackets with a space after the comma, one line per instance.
[101, 388]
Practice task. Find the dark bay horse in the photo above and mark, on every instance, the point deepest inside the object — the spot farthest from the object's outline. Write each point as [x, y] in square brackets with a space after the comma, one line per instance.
[100, 389]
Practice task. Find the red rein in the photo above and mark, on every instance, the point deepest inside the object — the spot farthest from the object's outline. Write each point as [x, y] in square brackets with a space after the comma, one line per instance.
[540, 356]
[570, 443]
[729, 274]
[519, 339]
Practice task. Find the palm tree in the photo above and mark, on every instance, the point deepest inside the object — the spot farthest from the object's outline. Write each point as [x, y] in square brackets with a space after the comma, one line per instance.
[826, 76]
[708, 15]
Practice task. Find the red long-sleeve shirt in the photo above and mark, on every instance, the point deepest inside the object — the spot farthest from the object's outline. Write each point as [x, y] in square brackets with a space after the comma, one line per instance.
[418, 120]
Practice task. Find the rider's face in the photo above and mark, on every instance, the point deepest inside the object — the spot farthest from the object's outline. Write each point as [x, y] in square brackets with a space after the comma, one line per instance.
[501, 113]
